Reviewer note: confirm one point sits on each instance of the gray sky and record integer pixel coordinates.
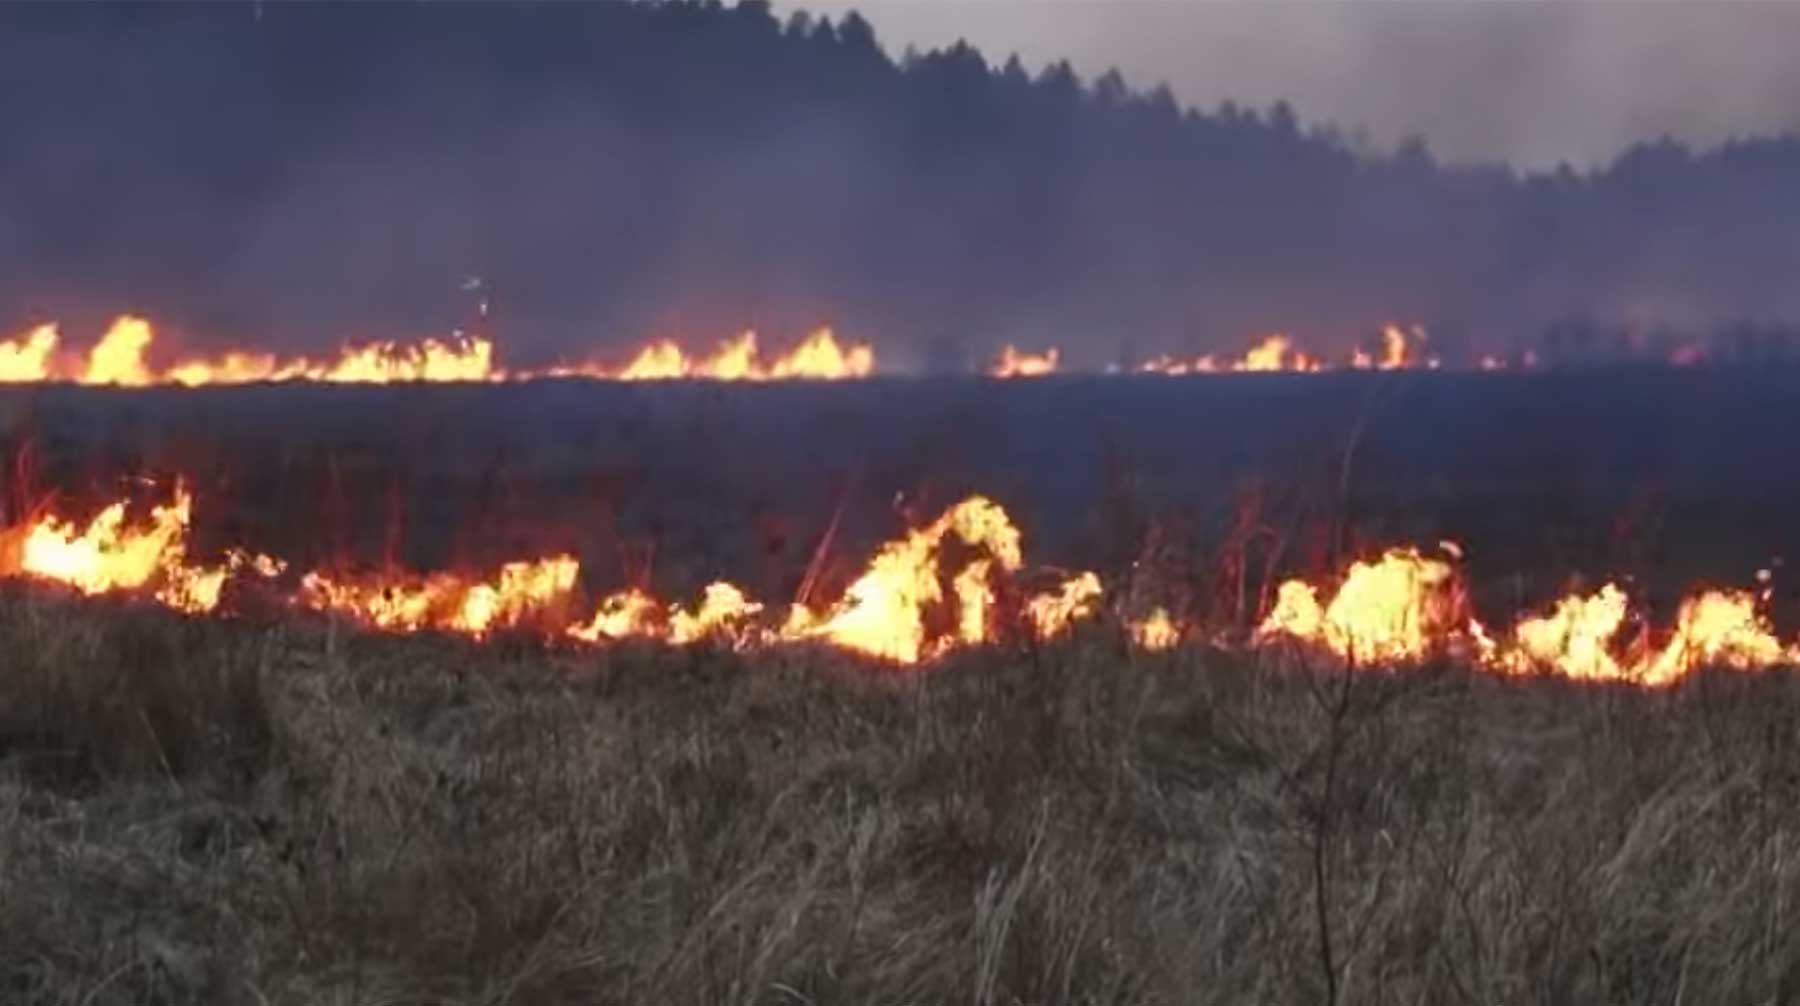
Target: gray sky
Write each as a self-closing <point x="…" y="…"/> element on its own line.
<point x="1529" y="81"/>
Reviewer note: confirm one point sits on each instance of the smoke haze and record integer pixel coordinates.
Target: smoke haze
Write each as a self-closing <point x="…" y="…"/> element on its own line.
<point x="290" y="176"/>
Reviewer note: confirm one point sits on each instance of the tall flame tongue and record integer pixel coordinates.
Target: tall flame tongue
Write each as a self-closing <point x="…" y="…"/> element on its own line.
<point x="1716" y="629"/>
<point x="1401" y="607"/>
<point x="28" y="357"/>
<point x="108" y="555"/>
<point x="118" y="358"/>
<point x="1573" y="639"/>
<point x="883" y="611"/>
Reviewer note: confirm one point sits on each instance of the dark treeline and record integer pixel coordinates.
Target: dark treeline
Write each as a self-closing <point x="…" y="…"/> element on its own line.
<point x="298" y="174"/>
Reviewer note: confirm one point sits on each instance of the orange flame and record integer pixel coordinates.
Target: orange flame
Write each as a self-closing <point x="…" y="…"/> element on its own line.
<point x="819" y="357"/>
<point x="121" y="357"/>
<point x="1156" y="631"/>
<point x="1715" y="629"/>
<point x="621" y="615"/>
<point x="1401" y="607"/>
<point x="722" y="611"/>
<point x="882" y="612"/>
<point x="1053" y="613"/>
<point x="908" y="605"/>
<point x="1276" y="352"/>
<point x="1271" y="354"/>
<point x="1573" y="639"/>
<point x="446" y="601"/>
<point x="1400" y="349"/>
<point x="27" y="357"/>
<point x="107" y="555"/>
<point x="1013" y="362"/>
<point x="1712" y="629"/>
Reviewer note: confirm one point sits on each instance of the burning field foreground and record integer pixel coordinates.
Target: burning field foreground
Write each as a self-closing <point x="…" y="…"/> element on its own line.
<point x="276" y="813"/>
<point x="941" y="757"/>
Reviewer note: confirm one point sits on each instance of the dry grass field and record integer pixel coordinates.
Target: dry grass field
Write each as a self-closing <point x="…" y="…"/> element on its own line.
<point x="235" y="812"/>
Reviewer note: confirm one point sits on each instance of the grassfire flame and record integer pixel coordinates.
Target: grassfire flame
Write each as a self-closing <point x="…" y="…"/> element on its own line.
<point x="106" y="555"/>
<point x="1400" y="349"/>
<point x="122" y="357"/>
<point x="446" y="601"/>
<point x="949" y="584"/>
<point x="1014" y="362"/>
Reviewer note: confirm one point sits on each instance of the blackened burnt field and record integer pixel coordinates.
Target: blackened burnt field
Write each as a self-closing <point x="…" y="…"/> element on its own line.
<point x="288" y="811"/>
<point x="1654" y="475"/>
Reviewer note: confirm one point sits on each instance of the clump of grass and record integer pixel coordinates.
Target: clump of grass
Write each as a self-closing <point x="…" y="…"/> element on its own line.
<point x="129" y="695"/>
<point x="337" y="819"/>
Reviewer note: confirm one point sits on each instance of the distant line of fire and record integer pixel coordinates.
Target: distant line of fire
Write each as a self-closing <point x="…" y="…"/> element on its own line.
<point x="123" y="357"/>
<point x="1401" y="349"/>
<point x="957" y="582"/>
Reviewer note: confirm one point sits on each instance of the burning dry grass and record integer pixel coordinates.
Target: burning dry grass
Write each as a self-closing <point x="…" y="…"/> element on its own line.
<point x="194" y="811"/>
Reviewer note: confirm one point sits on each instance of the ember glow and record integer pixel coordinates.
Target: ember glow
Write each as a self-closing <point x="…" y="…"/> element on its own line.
<point x="122" y="357"/>
<point x="953" y="583"/>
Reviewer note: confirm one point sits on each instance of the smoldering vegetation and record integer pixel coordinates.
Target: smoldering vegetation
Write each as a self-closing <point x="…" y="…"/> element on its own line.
<point x="283" y="813"/>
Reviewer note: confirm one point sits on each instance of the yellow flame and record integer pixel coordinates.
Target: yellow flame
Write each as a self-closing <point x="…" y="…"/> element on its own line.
<point x="1156" y="631"/>
<point x="121" y="357"/>
<point x="621" y="615"/>
<point x="27" y="357"/>
<point x="1577" y="639"/>
<point x="1715" y="629"/>
<point x="882" y="612"/>
<point x="1401" y="607"/>
<point x="819" y="357"/>
<point x="1014" y="362"/>
<point x="118" y="358"/>
<point x="445" y="601"/>
<point x="1051" y="614"/>
<point x="722" y="608"/>
<point x="108" y="555"/>
<point x="1574" y="638"/>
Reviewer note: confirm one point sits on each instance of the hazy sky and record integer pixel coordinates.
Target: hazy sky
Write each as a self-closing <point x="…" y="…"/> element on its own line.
<point x="1529" y="82"/>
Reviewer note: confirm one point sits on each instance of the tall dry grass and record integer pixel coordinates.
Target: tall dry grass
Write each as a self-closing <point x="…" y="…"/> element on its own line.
<point x="277" y="814"/>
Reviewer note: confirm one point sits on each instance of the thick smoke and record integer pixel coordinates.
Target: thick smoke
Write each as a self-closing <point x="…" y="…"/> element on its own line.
<point x="294" y="175"/>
